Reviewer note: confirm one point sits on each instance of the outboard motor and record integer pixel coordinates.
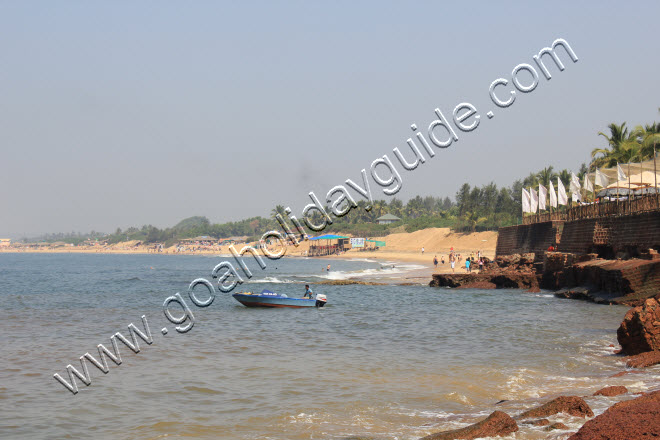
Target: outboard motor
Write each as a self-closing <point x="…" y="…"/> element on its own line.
<point x="320" y="300"/>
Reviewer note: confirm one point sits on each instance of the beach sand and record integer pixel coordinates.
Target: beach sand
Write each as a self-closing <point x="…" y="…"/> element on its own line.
<point x="404" y="247"/>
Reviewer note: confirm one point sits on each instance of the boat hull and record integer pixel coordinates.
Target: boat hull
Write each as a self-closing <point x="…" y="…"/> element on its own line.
<point x="270" y="301"/>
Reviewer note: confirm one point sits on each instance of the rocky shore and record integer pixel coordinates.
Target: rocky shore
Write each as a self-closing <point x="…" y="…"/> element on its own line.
<point x="633" y="282"/>
<point x="573" y="276"/>
<point x="636" y="418"/>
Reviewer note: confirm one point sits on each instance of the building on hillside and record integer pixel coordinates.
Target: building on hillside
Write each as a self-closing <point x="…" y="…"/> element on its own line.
<point x="5" y="242"/>
<point x="387" y="219"/>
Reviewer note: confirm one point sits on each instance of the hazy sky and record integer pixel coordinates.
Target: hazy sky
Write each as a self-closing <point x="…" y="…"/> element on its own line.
<point x="129" y="113"/>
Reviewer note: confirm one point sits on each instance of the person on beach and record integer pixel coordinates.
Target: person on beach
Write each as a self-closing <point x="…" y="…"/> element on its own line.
<point x="308" y="292"/>
<point x="435" y="261"/>
<point x="422" y="250"/>
<point x="467" y="265"/>
<point x="452" y="262"/>
<point x="481" y="265"/>
<point x="442" y="259"/>
<point x="328" y="268"/>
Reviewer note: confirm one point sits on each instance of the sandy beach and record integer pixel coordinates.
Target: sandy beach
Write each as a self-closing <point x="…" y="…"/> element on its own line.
<point x="401" y="247"/>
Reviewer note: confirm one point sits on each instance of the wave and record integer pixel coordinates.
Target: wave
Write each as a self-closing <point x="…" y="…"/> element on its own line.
<point x="394" y="269"/>
<point x="273" y="280"/>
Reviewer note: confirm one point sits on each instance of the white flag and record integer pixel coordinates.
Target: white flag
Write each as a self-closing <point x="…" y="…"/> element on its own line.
<point x="553" y="196"/>
<point x="587" y="184"/>
<point x="601" y="179"/>
<point x="534" y="204"/>
<point x="543" y="195"/>
<point x="575" y="184"/>
<point x="575" y="197"/>
<point x="562" y="198"/>
<point x="620" y="175"/>
<point x="525" y="201"/>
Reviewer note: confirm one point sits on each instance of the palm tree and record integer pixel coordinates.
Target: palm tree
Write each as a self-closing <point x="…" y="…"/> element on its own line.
<point x="565" y="177"/>
<point x="619" y="135"/>
<point x="546" y="175"/>
<point x="279" y="209"/>
<point x="531" y="181"/>
<point x="649" y="137"/>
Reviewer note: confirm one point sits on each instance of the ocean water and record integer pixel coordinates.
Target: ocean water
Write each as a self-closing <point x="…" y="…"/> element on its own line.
<point x="381" y="362"/>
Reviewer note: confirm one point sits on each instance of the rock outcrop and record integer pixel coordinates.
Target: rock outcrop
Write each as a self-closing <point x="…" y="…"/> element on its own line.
<point x="631" y="419"/>
<point x="496" y="425"/>
<point x="609" y="281"/>
<point x="497" y="278"/>
<point x="611" y="391"/>
<point x="640" y="330"/>
<point x="644" y="360"/>
<point x="571" y="405"/>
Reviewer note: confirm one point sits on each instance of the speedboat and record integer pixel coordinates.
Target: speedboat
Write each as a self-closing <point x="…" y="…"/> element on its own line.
<point x="268" y="298"/>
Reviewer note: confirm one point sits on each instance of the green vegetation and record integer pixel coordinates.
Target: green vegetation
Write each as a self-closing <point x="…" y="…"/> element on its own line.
<point x="625" y="146"/>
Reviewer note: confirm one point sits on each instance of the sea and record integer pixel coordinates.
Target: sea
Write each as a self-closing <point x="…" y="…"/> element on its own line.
<point x="394" y="361"/>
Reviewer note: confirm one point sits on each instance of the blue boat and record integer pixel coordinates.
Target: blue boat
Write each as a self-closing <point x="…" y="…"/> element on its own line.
<point x="271" y="299"/>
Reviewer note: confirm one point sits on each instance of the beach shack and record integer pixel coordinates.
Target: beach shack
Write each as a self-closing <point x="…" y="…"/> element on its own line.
<point x="328" y="244"/>
<point x="387" y="219"/>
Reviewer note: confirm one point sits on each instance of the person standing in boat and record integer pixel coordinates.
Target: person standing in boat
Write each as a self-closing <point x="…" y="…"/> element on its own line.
<point x="308" y="292"/>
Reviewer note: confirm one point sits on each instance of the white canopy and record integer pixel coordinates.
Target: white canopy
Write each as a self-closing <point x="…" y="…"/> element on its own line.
<point x="645" y="169"/>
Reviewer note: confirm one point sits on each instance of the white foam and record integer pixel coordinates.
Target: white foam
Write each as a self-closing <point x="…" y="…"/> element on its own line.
<point x="273" y="280"/>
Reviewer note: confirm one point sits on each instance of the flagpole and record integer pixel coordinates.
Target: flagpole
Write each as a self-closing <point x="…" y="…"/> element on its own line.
<point x="629" y="186"/>
<point x="655" y="177"/>
<point x="641" y="169"/>
<point x="617" y="187"/>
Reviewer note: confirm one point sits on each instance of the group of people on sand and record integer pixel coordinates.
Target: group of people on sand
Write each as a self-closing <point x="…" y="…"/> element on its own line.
<point x="470" y="261"/>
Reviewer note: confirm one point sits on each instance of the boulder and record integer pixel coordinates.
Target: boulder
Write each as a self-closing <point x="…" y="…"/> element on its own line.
<point x="611" y="391"/>
<point x="495" y="425"/>
<point x="631" y="419"/>
<point x="644" y="360"/>
<point x="558" y="425"/>
<point x="571" y="405"/>
<point x="640" y="330"/>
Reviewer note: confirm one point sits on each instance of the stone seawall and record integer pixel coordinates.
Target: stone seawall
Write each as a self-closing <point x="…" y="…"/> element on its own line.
<point x="627" y="235"/>
<point x="534" y="238"/>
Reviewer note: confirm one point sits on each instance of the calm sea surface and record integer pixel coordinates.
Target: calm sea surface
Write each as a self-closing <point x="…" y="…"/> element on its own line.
<point x="382" y="362"/>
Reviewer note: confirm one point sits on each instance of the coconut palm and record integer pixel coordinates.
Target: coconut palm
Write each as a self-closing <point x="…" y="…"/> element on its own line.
<point x="531" y="181"/>
<point x="648" y="137"/>
<point x="565" y="177"/>
<point x="609" y="157"/>
<point x="546" y="175"/>
<point x="279" y="209"/>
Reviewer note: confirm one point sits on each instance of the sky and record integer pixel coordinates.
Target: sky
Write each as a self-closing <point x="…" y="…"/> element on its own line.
<point x="118" y="114"/>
